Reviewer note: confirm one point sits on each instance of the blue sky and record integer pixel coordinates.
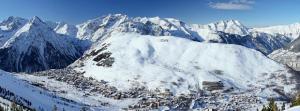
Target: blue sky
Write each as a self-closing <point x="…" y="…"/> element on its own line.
<point x="250" y="12"/>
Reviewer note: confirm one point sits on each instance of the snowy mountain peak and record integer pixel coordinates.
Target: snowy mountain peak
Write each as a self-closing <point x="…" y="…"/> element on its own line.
<point x="34" y="26"/>
<point x="116" y="16"/>
<point x="36" y="20"/>
<point x="106" y="19"/>
<point x="95" y="29"/>
<point x="229" y="23"/>
<point x="113" y="18"/>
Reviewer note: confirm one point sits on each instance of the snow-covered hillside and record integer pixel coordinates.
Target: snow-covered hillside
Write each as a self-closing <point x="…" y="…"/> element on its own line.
<point x="34" y="96"/>
<point x="98" y="28"/>
<point x="124" y="59"/>
<point x="288" y="55"/>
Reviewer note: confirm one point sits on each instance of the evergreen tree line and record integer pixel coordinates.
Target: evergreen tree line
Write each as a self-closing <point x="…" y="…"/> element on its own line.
<point x="15" y="107"/>
<point x="272" y="106"/>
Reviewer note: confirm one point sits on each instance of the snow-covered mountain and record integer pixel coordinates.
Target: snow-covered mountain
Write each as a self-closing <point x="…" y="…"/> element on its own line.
<point x="292" y="31"/>
<point x="262" y="42"/>
<point x="12" y="24"/>
<point x="227" y="26"/>
<point x="210" y="31"/>
<point x="100" y="28"/>
<point x="97" y="28"/>
<point x="233" y="32"/>
<point x="9" y="26"/>
<point x="181" y="66"/>
<point x="288" y="55"/>
<point x="145" y="56"/>
<point x="35" y="47"/>
<point x="66" y="29"/>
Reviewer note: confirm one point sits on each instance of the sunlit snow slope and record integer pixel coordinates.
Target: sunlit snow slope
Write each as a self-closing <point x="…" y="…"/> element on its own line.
<point x="159" y="62"/>
<point x="15" y="89"/>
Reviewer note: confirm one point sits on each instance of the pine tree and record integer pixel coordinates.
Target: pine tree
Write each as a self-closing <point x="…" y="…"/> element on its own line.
<point x="1" y="108"/>
<point x="20" y="108"/>
<point x="272" y="106"/>
<point x="283" y="107"/>
<point x="264" y="108"/>
<point x="83" y="109"/>
<point x="14" y="107"/>
<point x="296" y="101"/>
<point x="55" y="108"/>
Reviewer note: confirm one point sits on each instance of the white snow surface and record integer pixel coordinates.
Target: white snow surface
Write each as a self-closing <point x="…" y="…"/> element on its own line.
<point x="156" y="62"/>
<point x="296" y="108"/>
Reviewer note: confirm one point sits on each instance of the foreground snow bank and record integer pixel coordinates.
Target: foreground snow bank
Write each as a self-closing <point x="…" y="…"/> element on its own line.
<point x="296" y="108"/>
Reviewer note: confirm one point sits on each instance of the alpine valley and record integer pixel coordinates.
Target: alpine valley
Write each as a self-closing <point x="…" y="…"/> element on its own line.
<point x="116" y="62"/>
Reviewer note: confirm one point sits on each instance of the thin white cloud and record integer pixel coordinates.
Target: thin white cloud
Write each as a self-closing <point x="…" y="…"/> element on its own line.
<point x="233" y="5"/>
